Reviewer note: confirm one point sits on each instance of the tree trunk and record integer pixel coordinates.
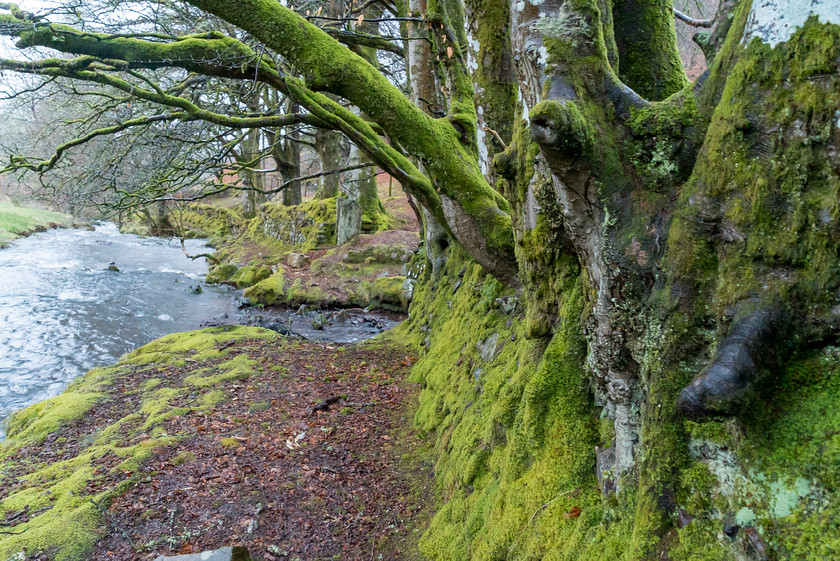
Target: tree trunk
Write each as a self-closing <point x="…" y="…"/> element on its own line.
<point x="328" y="146"/>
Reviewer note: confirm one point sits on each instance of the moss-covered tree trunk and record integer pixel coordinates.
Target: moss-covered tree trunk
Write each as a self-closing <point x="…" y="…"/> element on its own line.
<point x="328" y="147"/>
<point x="702" y="216"/>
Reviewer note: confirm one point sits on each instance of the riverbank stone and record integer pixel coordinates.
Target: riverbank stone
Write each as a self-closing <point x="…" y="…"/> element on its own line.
<point x="223" y="554"/>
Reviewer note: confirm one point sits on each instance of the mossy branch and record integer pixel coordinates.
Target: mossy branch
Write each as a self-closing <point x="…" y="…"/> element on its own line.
<point x="366" y="40"/>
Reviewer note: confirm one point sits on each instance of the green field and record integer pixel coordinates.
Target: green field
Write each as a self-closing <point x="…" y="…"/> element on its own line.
<point x="16" y="221"/>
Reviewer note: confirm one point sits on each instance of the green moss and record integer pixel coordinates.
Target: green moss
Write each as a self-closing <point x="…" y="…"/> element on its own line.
<point x="239" y="367"/>
<point x="515" y="438"/>
<point x="196" y="345"/>
<point x="249" y="276"/>
<point x="313" y="296"/>
<point x="212" y="399"/>
<point x="765" y="159"/>
<point x="183" y="457"/>
<point x="214" y="222"/>
<point x="229" y="443"/>
<point x="495" y="91"/>
<point x="268" y="292"/>
<point x="699" y="542"/>
<point x="35" y="422"/>
<point x="648" y="59"/>
<point x="304" y="226"/>
<point x="220" y="273"/>
<point x="258" y="406"/>
<point x="387" y="293"/>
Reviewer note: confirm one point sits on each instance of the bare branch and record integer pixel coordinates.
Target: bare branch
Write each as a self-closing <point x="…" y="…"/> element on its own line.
<point x="691" y="21"/>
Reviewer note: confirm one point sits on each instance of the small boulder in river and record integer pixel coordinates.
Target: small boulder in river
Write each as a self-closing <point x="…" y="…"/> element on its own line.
<point x="113" y="267"/>
<point x="319" y="322"/>
<point x="223" y="554"/>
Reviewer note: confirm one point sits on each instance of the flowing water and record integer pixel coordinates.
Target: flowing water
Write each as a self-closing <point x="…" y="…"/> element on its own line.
<point x="62" y="312"/>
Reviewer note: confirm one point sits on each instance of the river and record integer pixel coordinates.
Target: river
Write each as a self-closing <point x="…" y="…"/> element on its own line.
<point x="62" y="312"/>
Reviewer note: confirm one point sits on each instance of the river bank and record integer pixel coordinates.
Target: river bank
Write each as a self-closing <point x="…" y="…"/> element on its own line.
<point x="19" y="221"/>
<point x="232" y="435"/>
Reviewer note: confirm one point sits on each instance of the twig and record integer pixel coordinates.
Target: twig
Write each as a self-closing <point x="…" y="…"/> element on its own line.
<point x="536" y="512"/>
<point x="691" y="21"/>
<point x="326" y="404"/>
<point x="494" y="133"/>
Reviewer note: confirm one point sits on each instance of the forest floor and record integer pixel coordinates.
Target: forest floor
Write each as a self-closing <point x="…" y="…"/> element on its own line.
<point x="311" y="457"/>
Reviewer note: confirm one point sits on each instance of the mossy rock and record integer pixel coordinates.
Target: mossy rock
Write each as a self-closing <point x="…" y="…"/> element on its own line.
<point x="387" y="293"/>
<point x="381" y="254"/>
<point x="221" y="273"/>
<point x="304" y="226"/>
<point x="275" y="291"/>
<point x="250" y="275"/>
<point x="269" y="291"/>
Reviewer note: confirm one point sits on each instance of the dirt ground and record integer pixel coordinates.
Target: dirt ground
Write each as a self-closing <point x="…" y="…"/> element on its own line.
<point x="311" y="458"/>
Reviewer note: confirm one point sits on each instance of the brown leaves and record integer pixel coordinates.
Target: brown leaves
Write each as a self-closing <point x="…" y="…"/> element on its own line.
<point x="331" y="494"/>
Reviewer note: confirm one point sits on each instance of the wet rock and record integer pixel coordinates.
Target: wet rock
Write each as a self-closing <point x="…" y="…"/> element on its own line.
<point x="195" y="289"/>
<point x="302" y="310"/>
<point x="319" y="322"/>
<point x="223" y="554"/>
<point x="297" y="260"/>
<point x="342" y="315"/>
<point x="113" y="267"/>
<point x="244" y="302"/>
<point x="281" y="327"/>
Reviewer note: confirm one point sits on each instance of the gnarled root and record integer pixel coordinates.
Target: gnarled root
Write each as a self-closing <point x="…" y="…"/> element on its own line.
<point x="722" y="387"/>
